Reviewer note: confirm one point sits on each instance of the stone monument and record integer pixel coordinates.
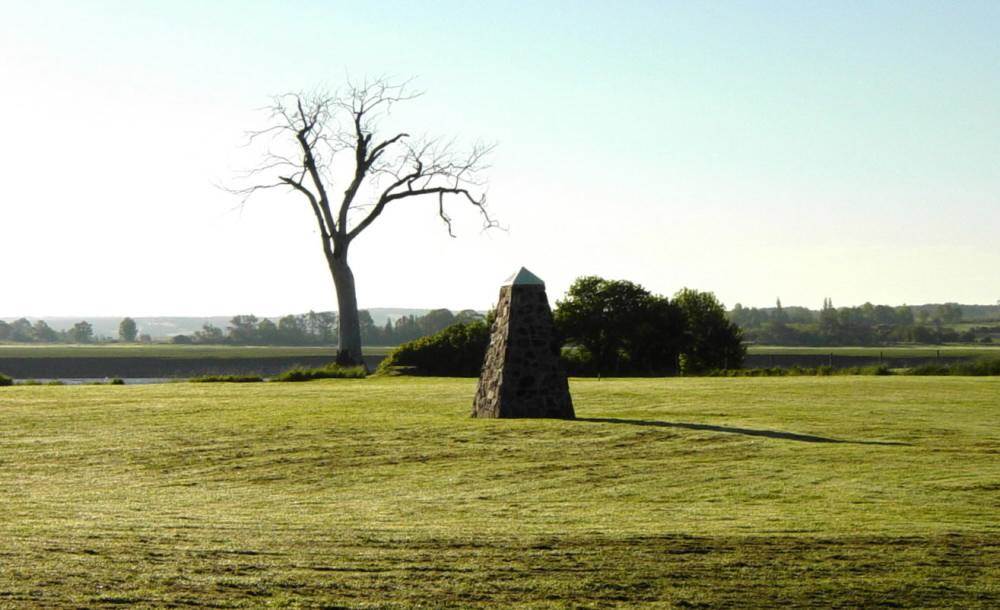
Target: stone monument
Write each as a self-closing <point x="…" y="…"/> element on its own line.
<point x="521" y="375"/>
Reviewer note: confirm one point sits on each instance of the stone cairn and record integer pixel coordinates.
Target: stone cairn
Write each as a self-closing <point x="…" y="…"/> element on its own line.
<point x="522" y="376"/>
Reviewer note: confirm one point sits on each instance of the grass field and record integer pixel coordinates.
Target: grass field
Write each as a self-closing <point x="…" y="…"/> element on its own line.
<point x="821" y="492"/>
<point x="163" y="350"/>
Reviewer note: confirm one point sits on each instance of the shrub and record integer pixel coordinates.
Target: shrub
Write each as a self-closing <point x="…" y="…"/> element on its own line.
<point x="457" y="351"/>
<point x="983" y="366"/>
<point x="881" y="370"/>
<point x="332" y="371"/>
<point x="5" y="380"/>
<point x="579" y="362"/>
<point x="711" y="340"/>
<point x="117" y="381"/>
<point x="227" y="379"/>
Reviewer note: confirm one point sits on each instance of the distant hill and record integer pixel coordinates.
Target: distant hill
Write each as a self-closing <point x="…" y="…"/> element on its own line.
<point x="162" y="327"/>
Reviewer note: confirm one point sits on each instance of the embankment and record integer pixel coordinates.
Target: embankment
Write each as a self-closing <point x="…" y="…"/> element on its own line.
<point x="141" y="366"/>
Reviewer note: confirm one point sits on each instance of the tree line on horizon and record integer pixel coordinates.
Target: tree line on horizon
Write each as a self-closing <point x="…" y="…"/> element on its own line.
<point x="322" y="329"/>
<point x="309" y="329"/>
<point x="24" y="331"/>
<point x="864" y="325"/>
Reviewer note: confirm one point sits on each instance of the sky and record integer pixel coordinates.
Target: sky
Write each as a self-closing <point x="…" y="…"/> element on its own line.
<point x="757" y="150"/>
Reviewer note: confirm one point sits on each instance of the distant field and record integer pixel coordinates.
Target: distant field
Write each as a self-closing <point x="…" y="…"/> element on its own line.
<point x="925" y="351"/>
<point x="162" y="361"/>
<point x="963" y="326"/>
<point x="166" y="351"/>
<point x="792" y="492"/>
<point x="228" y="351"/>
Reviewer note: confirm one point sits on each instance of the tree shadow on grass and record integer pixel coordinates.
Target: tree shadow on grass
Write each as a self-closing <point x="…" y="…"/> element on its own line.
<point x="788" y="436"/>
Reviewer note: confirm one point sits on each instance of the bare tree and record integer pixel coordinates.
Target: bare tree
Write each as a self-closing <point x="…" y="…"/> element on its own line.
<point x="320" y="143"/>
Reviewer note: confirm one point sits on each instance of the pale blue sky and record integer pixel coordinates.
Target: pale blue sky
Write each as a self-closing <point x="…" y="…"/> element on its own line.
<point x="755" y="149"/>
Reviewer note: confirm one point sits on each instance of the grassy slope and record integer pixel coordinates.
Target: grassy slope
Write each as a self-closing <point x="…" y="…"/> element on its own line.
<point x="161" y="350"/>
<point x="382" y="491"/>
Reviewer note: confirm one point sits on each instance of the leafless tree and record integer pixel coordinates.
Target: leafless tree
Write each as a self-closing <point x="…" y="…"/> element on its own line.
<point x="321" y="143"/>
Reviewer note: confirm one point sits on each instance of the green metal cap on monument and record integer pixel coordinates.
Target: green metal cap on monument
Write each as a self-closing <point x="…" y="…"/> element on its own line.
<point x="523" y="278"/>
<point x="522" y="375"/>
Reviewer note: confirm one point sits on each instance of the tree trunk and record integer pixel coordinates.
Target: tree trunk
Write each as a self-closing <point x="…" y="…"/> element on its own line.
<point x="349" y="353"/>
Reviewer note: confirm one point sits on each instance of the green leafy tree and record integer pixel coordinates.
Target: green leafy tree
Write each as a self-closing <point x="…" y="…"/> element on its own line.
<point x="291" y="330"/>
<point x="622" y="326"/>
<point x="435" y="321"/>
<point x="780" y="317"/>
<point x="127" y="330"/>
<point x="904" y="316"/>
<point x="82" y="332"/>
<point x="468" y="315"/>
<point x="656" y="340"/>
<point x="43" y="333"/>
<point x="21" y="330"/>
<point x="711" y="340"/>
<point x="243" y="329"/>
<point x="949" y="313"/>
<point x="267" y="332"/>
<point x="321" y="327"/>
<point x="209" y="334"/>
<point x="369" y="331"/>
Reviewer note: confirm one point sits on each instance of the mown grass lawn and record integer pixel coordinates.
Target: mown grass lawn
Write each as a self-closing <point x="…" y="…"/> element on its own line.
<point x="839" y="491"/>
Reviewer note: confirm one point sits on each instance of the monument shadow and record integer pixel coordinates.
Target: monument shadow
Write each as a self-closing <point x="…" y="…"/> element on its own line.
<point x="776" y="434"/>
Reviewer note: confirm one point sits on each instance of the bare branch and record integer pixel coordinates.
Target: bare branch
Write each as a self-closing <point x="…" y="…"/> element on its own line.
<point x="443" y="215"/>
<point x="245" y="193"/>
<point x="324" y="229"/>
<point x="308" y="133"/>
<point x="318" y="143"/>
<point x="378" y="150"/>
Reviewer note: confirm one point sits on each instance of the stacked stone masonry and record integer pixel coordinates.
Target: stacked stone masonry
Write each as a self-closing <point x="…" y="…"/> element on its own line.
<point x="522" y="375"/>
